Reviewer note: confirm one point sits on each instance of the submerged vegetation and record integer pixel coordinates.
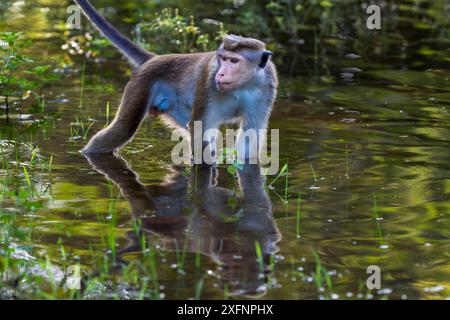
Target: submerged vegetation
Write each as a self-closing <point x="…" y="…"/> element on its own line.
<point x="363" y="176"/>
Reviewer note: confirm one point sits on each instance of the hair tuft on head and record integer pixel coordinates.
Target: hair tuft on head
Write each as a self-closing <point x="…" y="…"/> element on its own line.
<point x="233" y="42"/>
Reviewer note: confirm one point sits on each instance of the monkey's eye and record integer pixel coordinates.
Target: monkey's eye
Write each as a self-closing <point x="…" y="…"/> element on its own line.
<point x="234" y="60"/>
<point x="224" y="59"/>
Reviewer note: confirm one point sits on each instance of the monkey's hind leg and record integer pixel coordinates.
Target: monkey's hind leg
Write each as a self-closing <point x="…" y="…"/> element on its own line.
<point x="132" y="111"/>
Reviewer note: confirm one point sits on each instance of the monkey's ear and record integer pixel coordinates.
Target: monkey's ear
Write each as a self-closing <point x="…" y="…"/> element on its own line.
<point x="265" y="58"/>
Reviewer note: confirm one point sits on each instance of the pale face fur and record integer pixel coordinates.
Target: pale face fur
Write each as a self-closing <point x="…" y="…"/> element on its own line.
<point x="236" y="69"/>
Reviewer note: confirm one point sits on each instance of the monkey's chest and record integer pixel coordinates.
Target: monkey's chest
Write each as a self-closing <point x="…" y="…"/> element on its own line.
<point x="233" y="107"/>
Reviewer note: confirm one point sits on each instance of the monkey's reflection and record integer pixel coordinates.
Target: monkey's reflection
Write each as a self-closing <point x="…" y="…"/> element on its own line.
<point x="223" y="224"/>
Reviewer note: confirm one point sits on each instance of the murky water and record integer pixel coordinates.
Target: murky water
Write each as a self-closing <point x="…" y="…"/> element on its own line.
<point x="368" y="183"/>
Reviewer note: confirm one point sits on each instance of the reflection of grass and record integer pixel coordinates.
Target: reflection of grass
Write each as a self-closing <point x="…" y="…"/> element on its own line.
<point x="312" y="170"/>
<point x="377" y="218"/>
<point x="226" y="291"/>
<point x="151" y="262"/>
<point x="107" y="114"/>
<point x="347" y="164"/>
<point x="112" y="237"/>
<point x="198" y="255"/>
<point x="298" y="216"/>
<point x="259" y="257"/>
<point x="181" y="254"/>
<point x="199" y="288"/>
<point x="321" y="275"/>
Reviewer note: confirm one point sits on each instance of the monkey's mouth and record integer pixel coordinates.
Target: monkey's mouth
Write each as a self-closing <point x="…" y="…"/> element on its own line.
<point x="223" y="86"/>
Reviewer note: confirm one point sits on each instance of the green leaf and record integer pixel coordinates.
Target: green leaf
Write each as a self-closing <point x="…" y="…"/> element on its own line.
<point x="40" y="70"/>
<point x="231" y="170"/>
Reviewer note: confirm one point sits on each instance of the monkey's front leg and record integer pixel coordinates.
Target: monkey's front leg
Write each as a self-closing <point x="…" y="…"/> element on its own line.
<point x="204" y="142"/>
<point x="131" y="112"/>
<point x="250" y="139"/>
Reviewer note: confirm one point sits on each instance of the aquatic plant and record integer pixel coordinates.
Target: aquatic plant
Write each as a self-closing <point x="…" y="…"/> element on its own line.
<point x="79" y="129"/>
<point x="20" y="79"/>
<point x="13" y="87"/>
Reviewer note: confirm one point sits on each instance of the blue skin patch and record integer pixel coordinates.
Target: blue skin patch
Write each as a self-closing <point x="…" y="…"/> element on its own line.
<point x="162" y="97"/>
<point x="162" y="103"/>
<point x="165" y="100"/>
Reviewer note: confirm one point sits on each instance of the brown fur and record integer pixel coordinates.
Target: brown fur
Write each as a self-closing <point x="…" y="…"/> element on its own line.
<point x="163" y="83"/>
<point x="132" y="109"/>
<point x="234" y="43"/>
<point x="201" y="94"/>
<point x="176" y="69"/>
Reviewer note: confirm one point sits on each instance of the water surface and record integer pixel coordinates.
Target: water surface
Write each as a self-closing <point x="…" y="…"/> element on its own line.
<point x="368" y="183"/>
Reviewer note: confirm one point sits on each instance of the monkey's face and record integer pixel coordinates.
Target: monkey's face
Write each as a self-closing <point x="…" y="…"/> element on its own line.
<point x="236" y="69"/>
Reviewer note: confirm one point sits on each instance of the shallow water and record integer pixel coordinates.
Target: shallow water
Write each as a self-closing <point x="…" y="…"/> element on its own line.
<point x="368" y="184"/>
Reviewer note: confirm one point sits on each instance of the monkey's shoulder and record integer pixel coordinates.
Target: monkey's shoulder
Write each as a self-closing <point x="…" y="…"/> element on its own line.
<point x="172" y="65"/>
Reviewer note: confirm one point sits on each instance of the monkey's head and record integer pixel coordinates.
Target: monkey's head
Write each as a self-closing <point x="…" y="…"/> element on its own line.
<point x="239" y="60"/>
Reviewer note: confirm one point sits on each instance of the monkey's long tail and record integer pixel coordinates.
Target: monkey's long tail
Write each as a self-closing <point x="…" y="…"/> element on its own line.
<point x="135" y="54"/>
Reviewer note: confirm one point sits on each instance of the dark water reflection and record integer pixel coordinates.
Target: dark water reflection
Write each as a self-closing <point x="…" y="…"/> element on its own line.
<point x="368" y="183"/>
<point x="190" y="214"/>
